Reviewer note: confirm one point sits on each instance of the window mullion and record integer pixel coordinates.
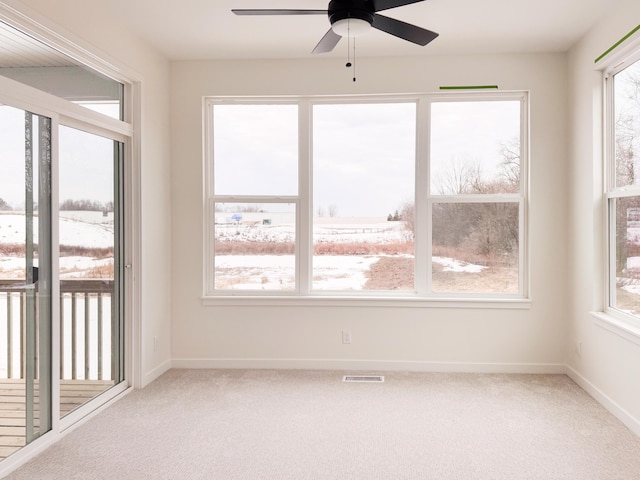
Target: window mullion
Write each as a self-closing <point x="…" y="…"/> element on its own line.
<point x="304" y="227"/>
<point x="423" y="207"/>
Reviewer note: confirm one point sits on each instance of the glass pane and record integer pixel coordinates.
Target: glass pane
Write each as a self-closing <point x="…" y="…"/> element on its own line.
<point x="255" y="149"/>
<point x="475" y="147"/>
<point x="627" y="255"/>
<point x="627" y="125"/>
<point x="255" y="246"/>
<point x="28" y="61"/>
<point x="363" y="196"/>
<point x="475" y="247"/>
<point x="25" y="277"/>
<point x="88" y="227"/>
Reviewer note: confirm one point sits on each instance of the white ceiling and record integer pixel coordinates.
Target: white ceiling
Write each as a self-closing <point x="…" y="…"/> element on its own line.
<point x="206" y="29"/>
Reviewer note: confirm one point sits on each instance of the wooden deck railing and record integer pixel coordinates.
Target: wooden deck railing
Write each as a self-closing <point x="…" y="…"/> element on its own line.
<point x="85" y="329"/>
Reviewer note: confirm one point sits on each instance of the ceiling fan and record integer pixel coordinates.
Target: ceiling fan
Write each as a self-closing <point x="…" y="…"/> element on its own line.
<point x="352" y="18"/>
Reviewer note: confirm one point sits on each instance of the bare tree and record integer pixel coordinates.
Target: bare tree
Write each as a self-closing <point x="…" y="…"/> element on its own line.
<point x="490" y="230"/>
<point x="458" y="178"/>
<point x="4" y="205"/>
<point x="510" y="165"/>
<point x="333" y="210"/>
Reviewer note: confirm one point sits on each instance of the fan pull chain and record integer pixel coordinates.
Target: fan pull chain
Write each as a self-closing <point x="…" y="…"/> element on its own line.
<point x="354" y="59"/>
<point x="348" y="44"/>
<point x="348" y="64"/>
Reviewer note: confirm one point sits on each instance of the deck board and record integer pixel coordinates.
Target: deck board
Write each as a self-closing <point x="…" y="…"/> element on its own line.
<point x="73" y="393"/>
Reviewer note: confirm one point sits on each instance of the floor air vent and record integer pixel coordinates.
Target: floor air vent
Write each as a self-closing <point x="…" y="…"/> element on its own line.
<point x="363" y="379"/>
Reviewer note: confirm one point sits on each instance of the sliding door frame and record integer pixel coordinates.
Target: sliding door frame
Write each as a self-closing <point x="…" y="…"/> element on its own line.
<point x="64" y="112"/>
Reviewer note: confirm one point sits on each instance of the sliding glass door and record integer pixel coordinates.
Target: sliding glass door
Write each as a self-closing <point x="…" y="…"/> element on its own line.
<point x="71" y="252"/>
<point x="25" y="277"/>
<point x="89" y="225"/>
<point x="63" y="166"/>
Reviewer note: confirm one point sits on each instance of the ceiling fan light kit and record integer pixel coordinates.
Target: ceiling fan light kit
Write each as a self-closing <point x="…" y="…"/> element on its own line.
<point x="351" y="18"/>
<point x="351" y="27"/>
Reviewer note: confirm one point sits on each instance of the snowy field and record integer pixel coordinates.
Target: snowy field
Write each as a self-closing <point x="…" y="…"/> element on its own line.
<point x="73" y="231"/>
<point x="330" y="272"/>
<point x="85" y="229"/>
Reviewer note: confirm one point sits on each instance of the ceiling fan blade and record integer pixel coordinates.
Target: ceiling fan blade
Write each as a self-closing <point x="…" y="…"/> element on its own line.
<point x="327" y="43"/>
<point x="403" y="30"/>
<point x="379" y="5"/>
<point x="276" y="11"/>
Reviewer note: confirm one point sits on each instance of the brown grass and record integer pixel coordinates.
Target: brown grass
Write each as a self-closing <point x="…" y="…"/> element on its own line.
<point x="100" y="271"/>
<point x="93" y="252"/>
<point x="18" y="250"/>
<point x="287" y="248"/>
<point x="363" y="248"/>
<point x="255" y="248"/>
<point x="468" y="256"/>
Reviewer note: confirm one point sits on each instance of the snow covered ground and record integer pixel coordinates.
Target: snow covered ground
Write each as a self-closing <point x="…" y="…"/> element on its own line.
<point x="330" y="272"/>
<point x="89" y="232"/>
<point x="73" y="232"/>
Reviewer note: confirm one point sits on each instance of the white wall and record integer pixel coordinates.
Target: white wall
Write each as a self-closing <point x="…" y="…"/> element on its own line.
<point x="609" y="365"/>
<point x="531" y="339"/>
<point x="93" y="27"/>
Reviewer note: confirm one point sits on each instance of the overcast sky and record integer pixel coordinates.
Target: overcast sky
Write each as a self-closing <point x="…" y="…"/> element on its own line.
<point x="86" y="162"/>
<point x="363" y="154"/>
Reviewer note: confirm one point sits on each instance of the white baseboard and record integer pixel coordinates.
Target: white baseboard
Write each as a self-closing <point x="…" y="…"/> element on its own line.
<point x="366" y="365"/>
<point x="625" y="417"/>
<point x="156" y="372"/>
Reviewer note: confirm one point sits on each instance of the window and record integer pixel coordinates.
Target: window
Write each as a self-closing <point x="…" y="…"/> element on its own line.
<point x="623" y="189"/>
<point x="363" y="192"/>
<point x="396" y="197"/>
<point x="476" y="200"/>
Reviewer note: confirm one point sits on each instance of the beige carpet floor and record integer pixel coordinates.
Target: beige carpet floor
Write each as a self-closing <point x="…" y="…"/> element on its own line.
<point x="265" y="424"/>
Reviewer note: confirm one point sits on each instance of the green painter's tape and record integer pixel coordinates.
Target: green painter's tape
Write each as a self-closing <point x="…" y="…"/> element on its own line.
<point x="468" y="87"/>
<point x="615" y="45"/>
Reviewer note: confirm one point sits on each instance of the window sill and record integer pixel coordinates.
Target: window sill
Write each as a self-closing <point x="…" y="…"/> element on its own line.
<point x="620" y="327"/>
<point x="328" y="301"/>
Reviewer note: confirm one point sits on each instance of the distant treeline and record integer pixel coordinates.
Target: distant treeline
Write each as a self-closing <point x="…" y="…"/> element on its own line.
<point x="74" y="205"/>
<point x="86" y="205"/>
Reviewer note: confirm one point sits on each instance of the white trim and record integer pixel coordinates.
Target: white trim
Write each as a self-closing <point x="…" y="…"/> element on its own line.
<point x="367" y="365"/>
<point x="133" y="244"/>
<point x="607" y="402"/>
<point x="622" y="328"/>
<point x="44" y="30"/>
<point x="622" y="56"/>
<point x="78" y="415"/>
<point x="156" y="372"/>
<point x="365" y="301"/>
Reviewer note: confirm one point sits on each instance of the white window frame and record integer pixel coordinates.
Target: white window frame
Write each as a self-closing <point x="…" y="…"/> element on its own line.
<point x="623" y="323"/>
<point x="422" y="296"/>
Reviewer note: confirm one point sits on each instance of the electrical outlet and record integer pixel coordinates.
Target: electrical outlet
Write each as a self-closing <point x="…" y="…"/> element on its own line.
<point x="346" y="337"/>
<point x="155" y="344"/>
<point x="579" y="348"/>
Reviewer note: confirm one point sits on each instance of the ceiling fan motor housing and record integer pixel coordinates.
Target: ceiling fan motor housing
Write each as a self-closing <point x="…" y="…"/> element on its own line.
<point x="350" y="9"/>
